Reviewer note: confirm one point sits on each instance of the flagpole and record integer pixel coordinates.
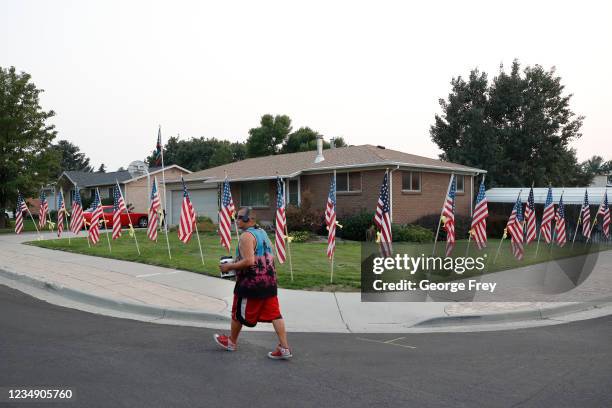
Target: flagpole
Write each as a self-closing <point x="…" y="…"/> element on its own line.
<point x="595" y="218"/>
<point x="554" y="234"/>
<point x="61" y="192"/>
<point x="104" y="222"/>
<point x="233" y="216"/>
<point x="129" y="218"/>
<point x="198" y="235"/>
<point x="331" y="278"/>
<point x="441" y="212"/>
<point x="538" y="245"/>
<point x="84" y="221"/>
<point x="505" y="230"/>
<point x="66" y="216"/>
<point x="165" y="196"/>
<point x="287" y="233"/>
<point x="577" y="225"/>
<point x="31" y="217"/>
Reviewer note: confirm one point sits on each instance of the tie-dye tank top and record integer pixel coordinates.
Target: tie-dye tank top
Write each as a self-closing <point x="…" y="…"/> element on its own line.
<point x="259" y="280"/>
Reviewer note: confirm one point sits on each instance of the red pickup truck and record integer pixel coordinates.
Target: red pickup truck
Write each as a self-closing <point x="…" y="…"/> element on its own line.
<point x="140" y="220"/>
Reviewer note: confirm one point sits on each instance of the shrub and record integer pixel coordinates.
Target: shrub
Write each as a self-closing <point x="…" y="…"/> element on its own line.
<point x="205" y="224"/>
<point x="304" y="217"/>
<point x="300" y="236"/>
<point x="411" y="233"/>
<point x="430" y="222"/>
<point x="355" y="227"/>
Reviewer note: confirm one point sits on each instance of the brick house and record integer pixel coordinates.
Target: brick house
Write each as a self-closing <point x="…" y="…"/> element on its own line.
<point x="418" y="184"/>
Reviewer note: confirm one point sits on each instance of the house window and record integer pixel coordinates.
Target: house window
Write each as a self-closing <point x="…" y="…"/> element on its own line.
<point x="294" y="192"/>
<point x="348" y="182"/>
<point x="92" y="193"/>
<point x="255" y="194"/>
<point x="411" y="181"/>
<point x="460" y="184"/>
<point x="609" y="181"/>
<point x="111" y="192"/>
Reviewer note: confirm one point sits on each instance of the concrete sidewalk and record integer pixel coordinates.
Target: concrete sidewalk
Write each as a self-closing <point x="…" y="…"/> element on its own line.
<point x="151" y="293"/>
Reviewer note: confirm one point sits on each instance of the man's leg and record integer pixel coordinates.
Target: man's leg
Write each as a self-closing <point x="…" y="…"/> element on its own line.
<point x="279" y="327"/>
<point x="235" y="330"/>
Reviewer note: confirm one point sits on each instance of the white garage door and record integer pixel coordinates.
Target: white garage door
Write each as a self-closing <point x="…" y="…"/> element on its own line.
<point x="204" y="202"/>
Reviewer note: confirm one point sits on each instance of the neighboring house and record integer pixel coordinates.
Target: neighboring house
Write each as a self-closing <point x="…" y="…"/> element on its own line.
<point x="134" y="183"/>
<point x="418" y="184"/>
<point x="34" y="202"/>
<point x="602" y="180"/>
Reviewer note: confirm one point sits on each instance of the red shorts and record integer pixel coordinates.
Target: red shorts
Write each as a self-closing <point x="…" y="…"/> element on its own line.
<point x="250" y="311"/>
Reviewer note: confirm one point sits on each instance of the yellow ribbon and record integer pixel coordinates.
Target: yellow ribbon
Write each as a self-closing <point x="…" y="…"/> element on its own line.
<point x="378" y="237"/>
<point x="131" y="231"/>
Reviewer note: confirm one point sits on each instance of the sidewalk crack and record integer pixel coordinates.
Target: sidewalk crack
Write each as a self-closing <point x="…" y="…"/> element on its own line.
<point x="340" y="313"/>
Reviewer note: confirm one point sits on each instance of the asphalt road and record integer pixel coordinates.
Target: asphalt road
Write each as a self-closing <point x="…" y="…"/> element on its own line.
<point x="111" y="362"/>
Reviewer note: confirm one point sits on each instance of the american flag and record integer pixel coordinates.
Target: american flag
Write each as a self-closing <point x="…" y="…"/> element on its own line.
<point x="479" y="219"/>
<point x="561" y="236"/>
<point x="118" y="208"/>
<point x="158" y="149"/>
<point x="281" y="221"/>
<point x="547" y="218"/>
<point x="225" y="216"/>
<point x="188" y="218"/>
<point x="96" y="216"/>
<point x="330" y="219"/>
<point x="76" y="222"/>
<point x="448" y="216"/>
<point x="515" y="229"/>
<point x="530" y="218"/>
<point x="61" y="212"/>
<point x="44" y="209"/>
<point x="586" y="216"/>
<point x="154" y="212"/>
<point x="604" y="210"/>
<point x="21" y="207"/>
<point x="382" y="218"/>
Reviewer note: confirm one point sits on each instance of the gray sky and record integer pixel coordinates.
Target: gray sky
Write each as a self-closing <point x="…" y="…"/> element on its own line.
<point x="371" y="72"/>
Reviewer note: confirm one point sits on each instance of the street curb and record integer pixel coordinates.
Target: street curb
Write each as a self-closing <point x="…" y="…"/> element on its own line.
<point x="149" y="311"/>
<point x="516" y="316"/>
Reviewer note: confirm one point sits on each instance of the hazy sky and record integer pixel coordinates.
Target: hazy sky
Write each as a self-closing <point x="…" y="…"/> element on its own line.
<point x="371" y="72"/>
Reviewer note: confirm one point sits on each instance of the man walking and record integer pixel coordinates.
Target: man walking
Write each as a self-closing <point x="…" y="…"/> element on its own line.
<point x="255" y="293"/>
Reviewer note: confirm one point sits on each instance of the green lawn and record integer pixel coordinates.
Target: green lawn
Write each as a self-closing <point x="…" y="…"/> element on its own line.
<point x="28" y="225"/>
<point x="311" y="269"/>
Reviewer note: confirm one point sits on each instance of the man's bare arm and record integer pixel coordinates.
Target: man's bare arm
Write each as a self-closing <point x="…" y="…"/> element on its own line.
<point x="247" y="252"/>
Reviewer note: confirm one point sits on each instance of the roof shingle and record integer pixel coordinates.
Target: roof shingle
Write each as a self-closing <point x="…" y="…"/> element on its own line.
<point x="291" y="164"/>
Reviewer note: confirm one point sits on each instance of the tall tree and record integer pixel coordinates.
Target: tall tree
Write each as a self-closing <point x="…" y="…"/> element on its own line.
<point x="266" y="139"/>
<point x="518" y="127"/>
<point x="238" y="151"/>
<point x="200" y="153"/>
<point x="71" y="157"/>
<point x="302" y="140"/>
<point x="101" y="169"/>
<point x="305" y="139"/>
<point x="26" y="159"/>
<point x="221" y="155"/>
<point x="595" y="166"/>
